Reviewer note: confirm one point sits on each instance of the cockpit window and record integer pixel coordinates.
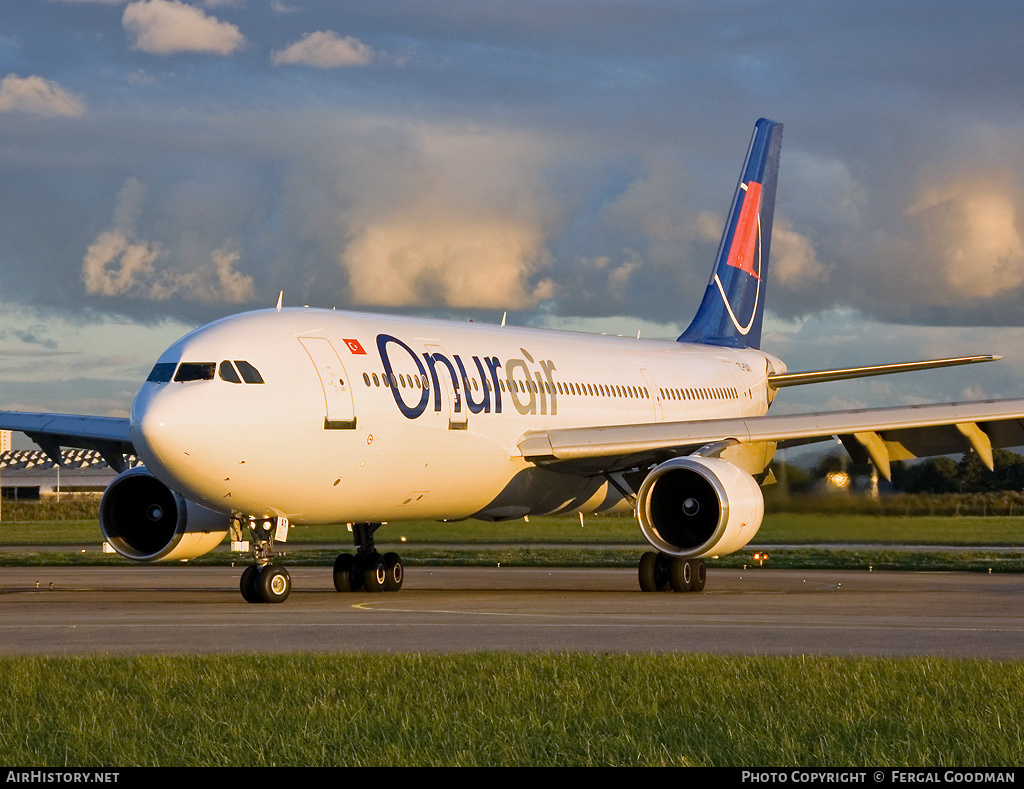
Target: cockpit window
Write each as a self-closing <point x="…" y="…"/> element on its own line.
<point x="227" y="373"/>
<point x="195" y="371"/>
<point x="162" y="372"/>
<point x="249" y="373"/>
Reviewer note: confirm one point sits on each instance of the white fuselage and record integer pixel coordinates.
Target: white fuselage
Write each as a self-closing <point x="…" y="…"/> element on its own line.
<point x="367" y="418"/>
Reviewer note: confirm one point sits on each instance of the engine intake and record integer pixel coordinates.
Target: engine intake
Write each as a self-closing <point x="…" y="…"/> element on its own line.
<point x="694" y="507"/>
<point x="144" y="520"/>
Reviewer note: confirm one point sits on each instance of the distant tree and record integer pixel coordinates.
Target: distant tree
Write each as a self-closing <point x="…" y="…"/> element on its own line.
<point x="934" y="475"/>
<point x="829" y="464"/>
<point x="794" y="478"/>
<point x="972" y="473"/>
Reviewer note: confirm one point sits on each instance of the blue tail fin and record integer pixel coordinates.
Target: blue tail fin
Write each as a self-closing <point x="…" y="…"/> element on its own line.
<point x="733" y="304"/>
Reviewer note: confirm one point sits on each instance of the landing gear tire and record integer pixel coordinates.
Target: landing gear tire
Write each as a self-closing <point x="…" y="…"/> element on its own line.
<point x="346" y="577"/>
<point x="700" y="575"/>
<point x="394" y="572"/>
<point x="681" y="575"/>
<point x="247" y="584"/>
<point x="654" y="572"/>
<point x="273" y="584"/>
<point x="659" y="572"/>
<point x="375" y="574"/>
<point x="646" y="572"/>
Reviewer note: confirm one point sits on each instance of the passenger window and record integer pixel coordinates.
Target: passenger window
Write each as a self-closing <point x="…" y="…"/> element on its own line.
<point x="249" y="373"/>
<point x="162" y="372"/>
<point x="227" y="373"/>
<point x="195" y="371"/>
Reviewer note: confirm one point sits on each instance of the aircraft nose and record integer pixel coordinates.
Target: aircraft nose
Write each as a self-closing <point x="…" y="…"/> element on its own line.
<point x="167" y="427"/>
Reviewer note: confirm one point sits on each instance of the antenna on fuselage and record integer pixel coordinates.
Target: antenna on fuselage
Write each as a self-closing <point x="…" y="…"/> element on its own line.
<point x="503" y="316"/>
<point x="280" y="300"/>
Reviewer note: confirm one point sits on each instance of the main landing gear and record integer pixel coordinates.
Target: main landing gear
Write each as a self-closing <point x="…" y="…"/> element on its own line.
<point x="660" y="572"/>
<point x="266" y="582"/>
<point x="367" y="569"/>
<point x="263" y="581"/>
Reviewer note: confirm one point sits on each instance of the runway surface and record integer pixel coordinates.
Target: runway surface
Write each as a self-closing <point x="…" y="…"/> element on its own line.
<point x="145" y="610"/>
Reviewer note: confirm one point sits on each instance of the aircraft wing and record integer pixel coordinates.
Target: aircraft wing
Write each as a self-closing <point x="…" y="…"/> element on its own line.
<point x="107" y="434"/>
<point x="879" y="434"/>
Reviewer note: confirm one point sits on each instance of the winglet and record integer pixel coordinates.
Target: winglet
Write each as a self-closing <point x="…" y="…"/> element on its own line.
<point x="733" y="305"/>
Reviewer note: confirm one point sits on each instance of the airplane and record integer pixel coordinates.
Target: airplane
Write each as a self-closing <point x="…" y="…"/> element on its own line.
<point x="284" y="416"/>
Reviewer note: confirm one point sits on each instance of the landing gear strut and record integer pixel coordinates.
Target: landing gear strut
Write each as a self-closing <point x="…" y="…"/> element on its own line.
<point x="263" y="581"/>
<point x="367" y="569"/>
<point x="660" y="572"/>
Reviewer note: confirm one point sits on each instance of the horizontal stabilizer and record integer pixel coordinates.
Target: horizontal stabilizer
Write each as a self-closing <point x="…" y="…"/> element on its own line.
<point x="820" y="376"/>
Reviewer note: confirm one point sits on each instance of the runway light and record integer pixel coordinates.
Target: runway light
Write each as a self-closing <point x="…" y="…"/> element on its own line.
<point x="761" y="557"/>
<point x="839" y="479"/>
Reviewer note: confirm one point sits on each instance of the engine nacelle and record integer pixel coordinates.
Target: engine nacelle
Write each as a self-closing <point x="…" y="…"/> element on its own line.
<point x="144" y="520"/>
<point x="694" y="507"/>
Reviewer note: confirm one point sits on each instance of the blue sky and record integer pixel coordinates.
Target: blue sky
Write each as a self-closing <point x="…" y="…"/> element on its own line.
<point x="165" y="163"/>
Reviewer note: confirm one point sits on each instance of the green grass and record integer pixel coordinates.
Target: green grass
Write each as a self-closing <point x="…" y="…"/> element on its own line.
<point x="498" y="709"/>
<point x="781" y="527"/>
<point x="58" y="532"/>
<point x="604" y="541"/>
<point x="784" y="527"/>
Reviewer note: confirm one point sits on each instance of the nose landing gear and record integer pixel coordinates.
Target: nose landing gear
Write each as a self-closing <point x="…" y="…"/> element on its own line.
<point x="267" y="584"/>
<point x="263" y="581"/>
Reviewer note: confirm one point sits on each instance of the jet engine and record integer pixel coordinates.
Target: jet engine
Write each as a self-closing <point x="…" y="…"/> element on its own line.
<point x="693" y="507"/>
<point x="144" y="520"/>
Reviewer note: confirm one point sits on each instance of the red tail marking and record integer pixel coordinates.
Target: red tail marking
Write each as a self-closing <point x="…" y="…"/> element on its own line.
<point x="744" y="240"/>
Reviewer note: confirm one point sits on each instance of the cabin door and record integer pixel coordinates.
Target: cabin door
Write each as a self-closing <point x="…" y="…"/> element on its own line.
<point x="339" y="410"/>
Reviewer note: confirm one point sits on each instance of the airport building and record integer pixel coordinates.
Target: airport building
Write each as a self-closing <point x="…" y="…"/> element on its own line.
<point x="32" y="474"/>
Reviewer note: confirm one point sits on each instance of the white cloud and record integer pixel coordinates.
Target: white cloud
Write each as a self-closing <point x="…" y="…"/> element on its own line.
<point x="119" y="263"/>
<point x="468" y="229"/>
<point x="114" y="264"/>
<point x="325" y="49"/>
<point x="234" y="287"/>
<point x="612" y="279"/>
<point x="164" y="27"/>
<point x="38" y="96"/>
<point x="973" y="230"/>
<point x="446" y="260"/>
<point x="794" y="263"/>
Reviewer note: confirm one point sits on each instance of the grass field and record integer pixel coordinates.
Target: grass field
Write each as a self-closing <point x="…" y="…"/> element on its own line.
<point x="488" y="709"/>
<point x="603" y="541"/>
<point x="508" y="709"/>
<point x="777" y="528"/>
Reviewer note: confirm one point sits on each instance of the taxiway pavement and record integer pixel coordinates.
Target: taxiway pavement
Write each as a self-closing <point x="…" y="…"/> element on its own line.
<point x="146" y="610"/>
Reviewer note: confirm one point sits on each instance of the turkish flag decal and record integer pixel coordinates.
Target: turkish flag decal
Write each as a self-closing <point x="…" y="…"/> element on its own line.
<point x="355" y="347"/>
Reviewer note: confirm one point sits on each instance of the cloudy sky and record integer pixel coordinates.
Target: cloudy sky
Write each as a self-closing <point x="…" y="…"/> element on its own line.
<point x="163" y="163"/>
